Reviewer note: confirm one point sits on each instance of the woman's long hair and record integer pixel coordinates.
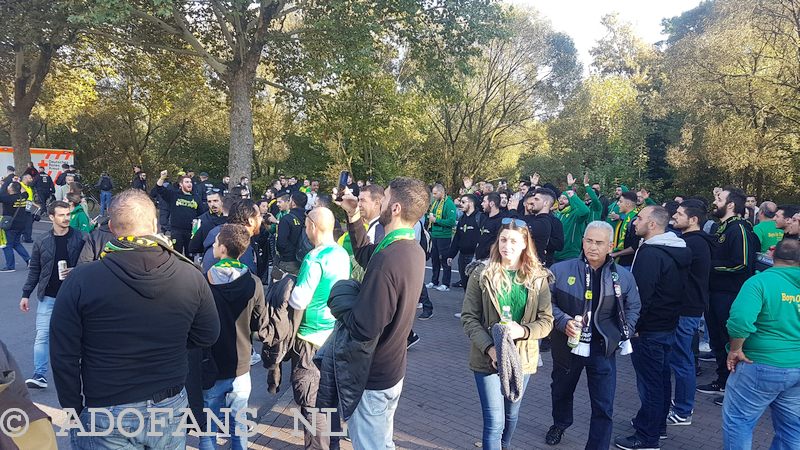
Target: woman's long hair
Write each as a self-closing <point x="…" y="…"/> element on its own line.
<point x="530" y="268"/>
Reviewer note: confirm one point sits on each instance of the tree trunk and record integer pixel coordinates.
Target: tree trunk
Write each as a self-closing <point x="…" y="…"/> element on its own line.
<point x="240" y="155"/>
<point x="20" y="140"/>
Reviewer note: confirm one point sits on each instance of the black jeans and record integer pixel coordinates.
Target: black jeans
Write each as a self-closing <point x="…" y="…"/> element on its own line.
<point x="180" y="240"/>
<point x="601" y="378"/>
<point x="719" y="309"/>
<point x="305" y="385"/>
<point x="441" y="247"/>
<point x="427" y="304"/>
<point x="463" y="260"/>
<point x="194" y="385"/>
<point x="27" y="234"/>
<point x="163" y="218"/>
<point x="650" y="357"/>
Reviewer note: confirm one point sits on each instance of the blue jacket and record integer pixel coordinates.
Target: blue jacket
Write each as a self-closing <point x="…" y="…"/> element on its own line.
<point x="248" y="258"/>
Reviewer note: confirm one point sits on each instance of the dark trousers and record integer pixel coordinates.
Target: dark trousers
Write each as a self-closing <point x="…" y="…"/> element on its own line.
<point x="305" y="384"/>
<point x="13" y="244"/>
<point x="194" y="385"/>
<point x="163" y="218"/>
<point x="180" y="240"/>
<point x="463" y="260"/>
<point x="441" y="247"/>
<point x="719" y="309"/>
<point x="424" y="298"/>
<point x="650" y="357"/>
<point x="601" y="378"/>
<point x="27" y="234"/>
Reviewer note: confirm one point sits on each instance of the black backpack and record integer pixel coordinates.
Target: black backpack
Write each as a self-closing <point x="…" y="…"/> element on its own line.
<point x="304" y="246"/>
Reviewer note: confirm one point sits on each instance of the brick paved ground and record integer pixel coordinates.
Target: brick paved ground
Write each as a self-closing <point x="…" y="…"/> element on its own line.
<point x="440" y="408"/>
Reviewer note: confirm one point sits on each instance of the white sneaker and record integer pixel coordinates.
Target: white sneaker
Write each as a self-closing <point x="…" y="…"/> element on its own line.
<point x="704" y="347"/>
<point x="419" y="305"/>
<point x="458" y="315"/>
<point x="430" y="285"/>
<point x="442" y="288"/>
<point x="255" y="358"/>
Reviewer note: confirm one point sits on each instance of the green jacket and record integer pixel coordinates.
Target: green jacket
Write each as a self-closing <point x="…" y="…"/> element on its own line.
<point x="596" y="206"/>
<point x="481" y="310"/>
<point x="614" y="207"/>
<point x="573" y="218"/>
<point x="445" y="213"/>
<point x="79" y="220"/>
<point x="766" y="313"/>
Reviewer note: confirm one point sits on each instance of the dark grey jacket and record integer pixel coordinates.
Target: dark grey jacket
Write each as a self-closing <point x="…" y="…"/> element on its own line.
<point x="95" y="243"/>
<point x="568" y="296"/>
<point x="42" y="260"/>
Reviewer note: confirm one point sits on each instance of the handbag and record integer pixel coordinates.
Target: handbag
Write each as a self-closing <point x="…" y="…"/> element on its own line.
<point x="6" y="221"/>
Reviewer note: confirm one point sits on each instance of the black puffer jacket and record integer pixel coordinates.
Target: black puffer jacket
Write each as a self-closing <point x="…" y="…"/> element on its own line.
<point x="43" y="256"/>
<point x="344" y="362"/>
<point x="95" y="242"/>
<point x="278" y="331"/>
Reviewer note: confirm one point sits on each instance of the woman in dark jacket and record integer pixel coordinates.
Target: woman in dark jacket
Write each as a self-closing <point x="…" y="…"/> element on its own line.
<point x="14" y="203"/>
<point x="514" y="277"/>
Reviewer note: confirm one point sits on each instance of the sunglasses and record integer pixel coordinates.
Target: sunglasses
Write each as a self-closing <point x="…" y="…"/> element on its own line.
<point x="517" y="222"/>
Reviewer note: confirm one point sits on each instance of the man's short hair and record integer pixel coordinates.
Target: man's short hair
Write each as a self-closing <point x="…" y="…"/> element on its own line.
<point x="300" y="199"/>
<point x="768" y="208"/>
<point x="182" y="177"/>
<point x="526" y="183"/>
<point x="131" y="210"/>
<point x="787" y="250"/>
<point x="545" y="192"/>
<point x="413" y="197"/>
<point x="600" y="225"/>
<point x="51" y="208"/>
<point x="700" y="199"/>
<point x="284" y="197"/>
<point x="63" y="166"/>
<point x="471" y="198"/>
<point x="788" y="210"/>
<point x="695" y="208"/>
<point x="74" y="198"/>
<point x="324" y="200"/>
<point x="227" y="203"/>
<point x="235" y="238"/>
<point x="737" y="197"/>
<point x="242" y="211"/>
<point x="630" y="195"/>
<point x="376" y="191"/>
<point x="660" y="216"/>
<point x="493" y="197"/>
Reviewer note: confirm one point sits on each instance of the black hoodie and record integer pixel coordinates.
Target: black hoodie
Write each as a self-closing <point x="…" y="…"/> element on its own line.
<point x="661" y="270"/>
<point x="124" y="339"/>
<point x="733" y="259"/>
<point x="289" y="230"/>
<point x="696" y="297"/>
<point x="208" y="222"/>
<point x="489" y="228"/>
<point x="467" y="232"/>
<point x="541" y="228"/>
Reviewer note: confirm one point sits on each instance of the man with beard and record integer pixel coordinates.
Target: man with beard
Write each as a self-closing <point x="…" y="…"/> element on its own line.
<point x="613" y="208"/>
<point x="573" y="214"/>
<point x="465" y="240"/>
<point x="625" y="240"/>
<point x="441" y="220"/>
<point x="537" y="216"/>
<point x="489" y="225"/>
<point x="214" y="217"/>
<point x="183" y="210"/>
<point x="784" y="218"/>
<point x="733" y="261"/>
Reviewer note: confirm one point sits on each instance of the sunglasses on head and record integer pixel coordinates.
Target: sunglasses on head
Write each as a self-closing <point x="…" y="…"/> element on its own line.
<point x="517" y="222"/>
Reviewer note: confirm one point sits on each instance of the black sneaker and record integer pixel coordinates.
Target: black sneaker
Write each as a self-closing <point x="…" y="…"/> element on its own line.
<point x="545" y="345"/>
<point x="36" y="382"/>
<point x="715" y="387"/>
<point x="633" y="443"/>
<point x="457" y="284"/>
<point x="719" y="400"/>
<point x="554" y="435"/>
<point x="412" y="341"/>
<point x="425" y="315"/>
<point x="707" y="357"/>
<point x="7" y="269"/>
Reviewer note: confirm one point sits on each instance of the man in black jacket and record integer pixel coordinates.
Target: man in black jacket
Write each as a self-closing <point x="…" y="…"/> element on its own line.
<point x="537" y="216"/>
<point x="602" y="329"/>
<point x="661" y="269"/>
<point x="184" y="208"/>
<point x="290" y="229"/>
<point x="124" y="344"/>
<point x="216" y="215"/>
<point x="62" y="243"/>
<point x="105" y="185"/>
<point x="489" y="224"/>
<point x="14" y="202"/>
<point x="733" y="261"/>
<point x="44" y="187"/>
<point x="384" y="309"/>
<point x="691" y="215"/>
<point x="465" y="241"/>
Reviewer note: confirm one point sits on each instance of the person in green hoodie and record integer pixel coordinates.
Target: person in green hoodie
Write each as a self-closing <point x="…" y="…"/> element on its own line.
<point x="613" y="208"/>
<point x="764" y="354"/>
<point x="573" y="214"/>
<point x="594" y="203"/>
<point x="441" y="222"/>
<point x="79" y="220"/>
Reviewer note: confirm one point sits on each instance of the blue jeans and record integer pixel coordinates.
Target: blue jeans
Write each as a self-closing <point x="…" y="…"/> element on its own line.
<point x="750" y="390"/>
<point x="13" y="243"/>
<point x="601" y="377"/>
<point x="105" y="201"/>
<point x="41" y="343"/>
<point x="499" y="415"/>
<point x="681" y="361"/>
<point x="372" y="424"/>
<point x="230" y="393"/>
<point x="144" y="432"/>
<point x="650" y="357"/>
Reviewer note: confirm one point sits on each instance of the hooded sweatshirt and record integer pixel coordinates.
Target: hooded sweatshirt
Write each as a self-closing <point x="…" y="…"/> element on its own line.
<point x="239" y="296"/>
<point x="126" y="339"/>
<point x="766" y="313"/>
<point x="574" y="218"/>
<point x="661" y="270"/>
<point x="614" y="206"/>
<point x="733" y="259"/>
<point x="696" y="299"/>
<point x="467" y="233"/>
<point x="445" y="212"/>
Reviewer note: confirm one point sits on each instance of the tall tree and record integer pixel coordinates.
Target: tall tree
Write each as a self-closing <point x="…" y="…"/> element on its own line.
<point x="32" y="34"/>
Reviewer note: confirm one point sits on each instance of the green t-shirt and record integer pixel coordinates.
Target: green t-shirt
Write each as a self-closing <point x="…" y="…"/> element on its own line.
<point x="516" y="297"/>
<point x="321" y="269"/>
<point x="767" y="234"/>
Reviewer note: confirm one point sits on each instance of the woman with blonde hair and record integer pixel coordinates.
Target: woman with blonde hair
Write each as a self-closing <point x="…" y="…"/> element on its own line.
<point x="512" y="277"/>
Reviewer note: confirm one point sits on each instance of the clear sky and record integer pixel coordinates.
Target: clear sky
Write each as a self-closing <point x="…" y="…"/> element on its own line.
<point x="581" y="18"/>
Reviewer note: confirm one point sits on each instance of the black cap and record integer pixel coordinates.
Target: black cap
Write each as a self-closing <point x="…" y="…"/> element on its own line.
<point x="11" y="168"/>
<point x="203" y="174"/>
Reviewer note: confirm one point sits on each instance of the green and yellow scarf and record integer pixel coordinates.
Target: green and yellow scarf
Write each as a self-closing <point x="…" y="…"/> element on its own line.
<point x="399" y="234"/>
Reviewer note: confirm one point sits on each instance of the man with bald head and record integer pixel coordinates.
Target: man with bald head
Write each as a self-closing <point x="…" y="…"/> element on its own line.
<point x="121" y="327"/>
<point x="322" y="267"/>
<point x="767" y="232"/>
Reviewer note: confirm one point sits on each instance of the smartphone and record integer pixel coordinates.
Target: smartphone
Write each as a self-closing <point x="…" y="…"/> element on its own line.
<point x="96" y="217"/>
<point x="343" y="176"/>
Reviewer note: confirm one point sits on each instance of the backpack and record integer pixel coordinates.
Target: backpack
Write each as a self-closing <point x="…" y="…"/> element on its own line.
<point x="304" y="246"/>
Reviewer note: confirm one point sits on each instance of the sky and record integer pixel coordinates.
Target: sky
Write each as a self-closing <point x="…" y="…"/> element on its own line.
<point x="580" y="19"/>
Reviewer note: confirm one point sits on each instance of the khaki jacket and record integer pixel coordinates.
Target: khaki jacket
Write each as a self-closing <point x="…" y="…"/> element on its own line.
<point x="481" y="310"/>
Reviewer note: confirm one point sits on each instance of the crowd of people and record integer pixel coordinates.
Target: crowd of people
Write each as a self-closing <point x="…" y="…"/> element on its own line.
<point x="195" y="270"/>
